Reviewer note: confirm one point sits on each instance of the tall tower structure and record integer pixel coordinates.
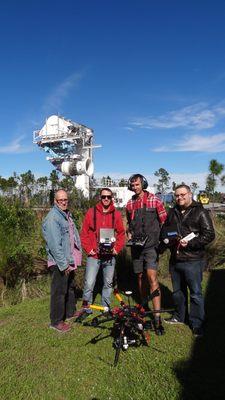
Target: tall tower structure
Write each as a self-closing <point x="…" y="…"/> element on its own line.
<point x="70" y="149"/>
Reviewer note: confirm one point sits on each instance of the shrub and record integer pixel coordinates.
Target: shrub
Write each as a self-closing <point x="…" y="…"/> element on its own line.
<point x="18" y="237"/>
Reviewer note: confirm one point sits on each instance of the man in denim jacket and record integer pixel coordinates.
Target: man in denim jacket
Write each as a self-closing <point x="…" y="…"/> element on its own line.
<point x="64" y="255"/>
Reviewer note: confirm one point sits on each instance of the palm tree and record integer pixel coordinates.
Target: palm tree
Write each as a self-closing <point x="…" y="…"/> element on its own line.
<point x="54" y="179"/>
<point x="194" y="186"/>
<point x="215" y="169"/>
<point x="42" y="183"/>
<point x="163" y="181"/>
<point x="27" y="181"/>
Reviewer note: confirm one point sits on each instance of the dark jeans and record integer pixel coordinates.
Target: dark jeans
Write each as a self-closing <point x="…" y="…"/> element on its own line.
<point x="62" y="302"/>
<point x="188" y="275"/>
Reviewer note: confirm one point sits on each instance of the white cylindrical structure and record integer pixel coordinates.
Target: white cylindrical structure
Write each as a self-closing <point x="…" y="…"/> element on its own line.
<point x="82" y="183"/>
<point x="71" y="168"/>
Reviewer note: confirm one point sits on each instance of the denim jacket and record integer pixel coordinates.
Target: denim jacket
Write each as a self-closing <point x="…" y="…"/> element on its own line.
<point x="55" y="230"/>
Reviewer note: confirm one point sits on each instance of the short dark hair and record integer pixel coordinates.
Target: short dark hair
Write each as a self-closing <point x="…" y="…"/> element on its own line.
<point x="134" y="177"/>
<point x="183" y="185"/>
<point x="108" y="190"/>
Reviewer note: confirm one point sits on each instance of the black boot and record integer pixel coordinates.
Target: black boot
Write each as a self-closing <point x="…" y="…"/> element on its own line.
<point x="159" y="330"/>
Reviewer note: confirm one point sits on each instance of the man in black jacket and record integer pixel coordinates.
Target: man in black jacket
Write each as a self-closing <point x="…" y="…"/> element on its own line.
<point x="187" y="230"/>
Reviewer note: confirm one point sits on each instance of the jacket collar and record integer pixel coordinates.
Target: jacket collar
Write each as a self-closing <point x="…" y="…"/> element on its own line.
<point x="192" y="205"/>
<point x="99" y="207"/>
<point x="144" y="197"/>
<point x="63" y="213"/>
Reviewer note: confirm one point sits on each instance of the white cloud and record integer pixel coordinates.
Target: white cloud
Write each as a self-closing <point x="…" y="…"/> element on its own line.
<point x="15" y="147"/>
<point x="55" y="99"/>
<point x="197" y="116"/>
<point x="220" y="110"/>
<point x="128" y="128"/>
<point x="207" y="144"/>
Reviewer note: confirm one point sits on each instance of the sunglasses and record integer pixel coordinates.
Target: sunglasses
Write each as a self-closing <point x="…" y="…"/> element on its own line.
<point x="104" y="196"/>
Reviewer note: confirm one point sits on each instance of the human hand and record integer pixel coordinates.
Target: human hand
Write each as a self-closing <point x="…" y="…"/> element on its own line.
<point x="68" y="270"/>
<point x="114" y="252"/>
<point x="129" y="236"/>
<point x="183" y="243"/>
<point x="92" y="252"/>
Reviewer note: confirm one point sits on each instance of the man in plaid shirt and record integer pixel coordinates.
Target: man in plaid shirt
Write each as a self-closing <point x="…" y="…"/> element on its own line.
<point x="145" y="215"/>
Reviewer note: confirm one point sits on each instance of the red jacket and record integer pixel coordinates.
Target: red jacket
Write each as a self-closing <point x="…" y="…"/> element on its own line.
<point x="89" y="237"/>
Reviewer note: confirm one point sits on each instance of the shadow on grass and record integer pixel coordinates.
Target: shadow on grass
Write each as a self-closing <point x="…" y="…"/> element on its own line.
<point x="124" y="280"/>
<point x="127" y="280"/>
<point x="124" y="277"/>
<point x="203" y="376"/>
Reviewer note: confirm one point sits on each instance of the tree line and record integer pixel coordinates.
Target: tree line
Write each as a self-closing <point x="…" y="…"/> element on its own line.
<point x="214" y="177"/>
<point x="33" y="191"/>
<point x="36" y="191"/>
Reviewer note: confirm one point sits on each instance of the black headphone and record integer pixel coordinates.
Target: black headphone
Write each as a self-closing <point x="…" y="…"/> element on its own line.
<point x="144" y="182"/>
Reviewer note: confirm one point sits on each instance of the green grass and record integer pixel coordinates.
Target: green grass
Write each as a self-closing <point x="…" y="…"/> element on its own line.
<point x="39" y="363"/>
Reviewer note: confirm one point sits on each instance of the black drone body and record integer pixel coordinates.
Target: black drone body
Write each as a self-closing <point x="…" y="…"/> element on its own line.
<point x="130" y="327"/>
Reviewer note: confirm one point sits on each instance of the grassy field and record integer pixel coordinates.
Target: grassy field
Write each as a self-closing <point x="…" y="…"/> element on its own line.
<point x="39" y="363"/>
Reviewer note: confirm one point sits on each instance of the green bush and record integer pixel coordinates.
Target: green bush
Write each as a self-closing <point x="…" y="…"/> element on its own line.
<point x="19" y="264"/>
<point x="18" y="241"/>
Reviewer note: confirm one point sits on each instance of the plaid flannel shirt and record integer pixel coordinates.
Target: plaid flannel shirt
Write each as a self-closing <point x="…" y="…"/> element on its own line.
<point x="151" y="201"/>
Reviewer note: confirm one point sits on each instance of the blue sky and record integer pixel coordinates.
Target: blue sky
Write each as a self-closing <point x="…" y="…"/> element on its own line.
<point x="148" y="77"/>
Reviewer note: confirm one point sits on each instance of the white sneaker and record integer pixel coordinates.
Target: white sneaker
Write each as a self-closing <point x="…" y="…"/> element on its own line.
<point x="173" y="321"/>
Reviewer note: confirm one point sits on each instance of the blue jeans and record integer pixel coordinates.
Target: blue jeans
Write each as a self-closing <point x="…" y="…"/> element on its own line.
<point x="92" y="268"/>
<point x="188" y="275"/>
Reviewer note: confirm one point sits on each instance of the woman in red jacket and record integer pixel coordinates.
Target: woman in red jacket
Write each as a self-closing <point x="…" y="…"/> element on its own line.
<point x="102" y="238"/>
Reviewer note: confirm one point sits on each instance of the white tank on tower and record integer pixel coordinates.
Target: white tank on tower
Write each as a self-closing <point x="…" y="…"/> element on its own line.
<point x="70" y="147"/>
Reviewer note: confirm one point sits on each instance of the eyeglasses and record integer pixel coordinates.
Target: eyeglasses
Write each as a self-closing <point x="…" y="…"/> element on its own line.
<point x="180" y="195"/>
<point x="62" y="201"/>
<point x="104" y="196"/>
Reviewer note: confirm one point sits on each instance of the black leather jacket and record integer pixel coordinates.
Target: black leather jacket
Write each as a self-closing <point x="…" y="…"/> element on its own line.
<point x="195" y="219"/>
